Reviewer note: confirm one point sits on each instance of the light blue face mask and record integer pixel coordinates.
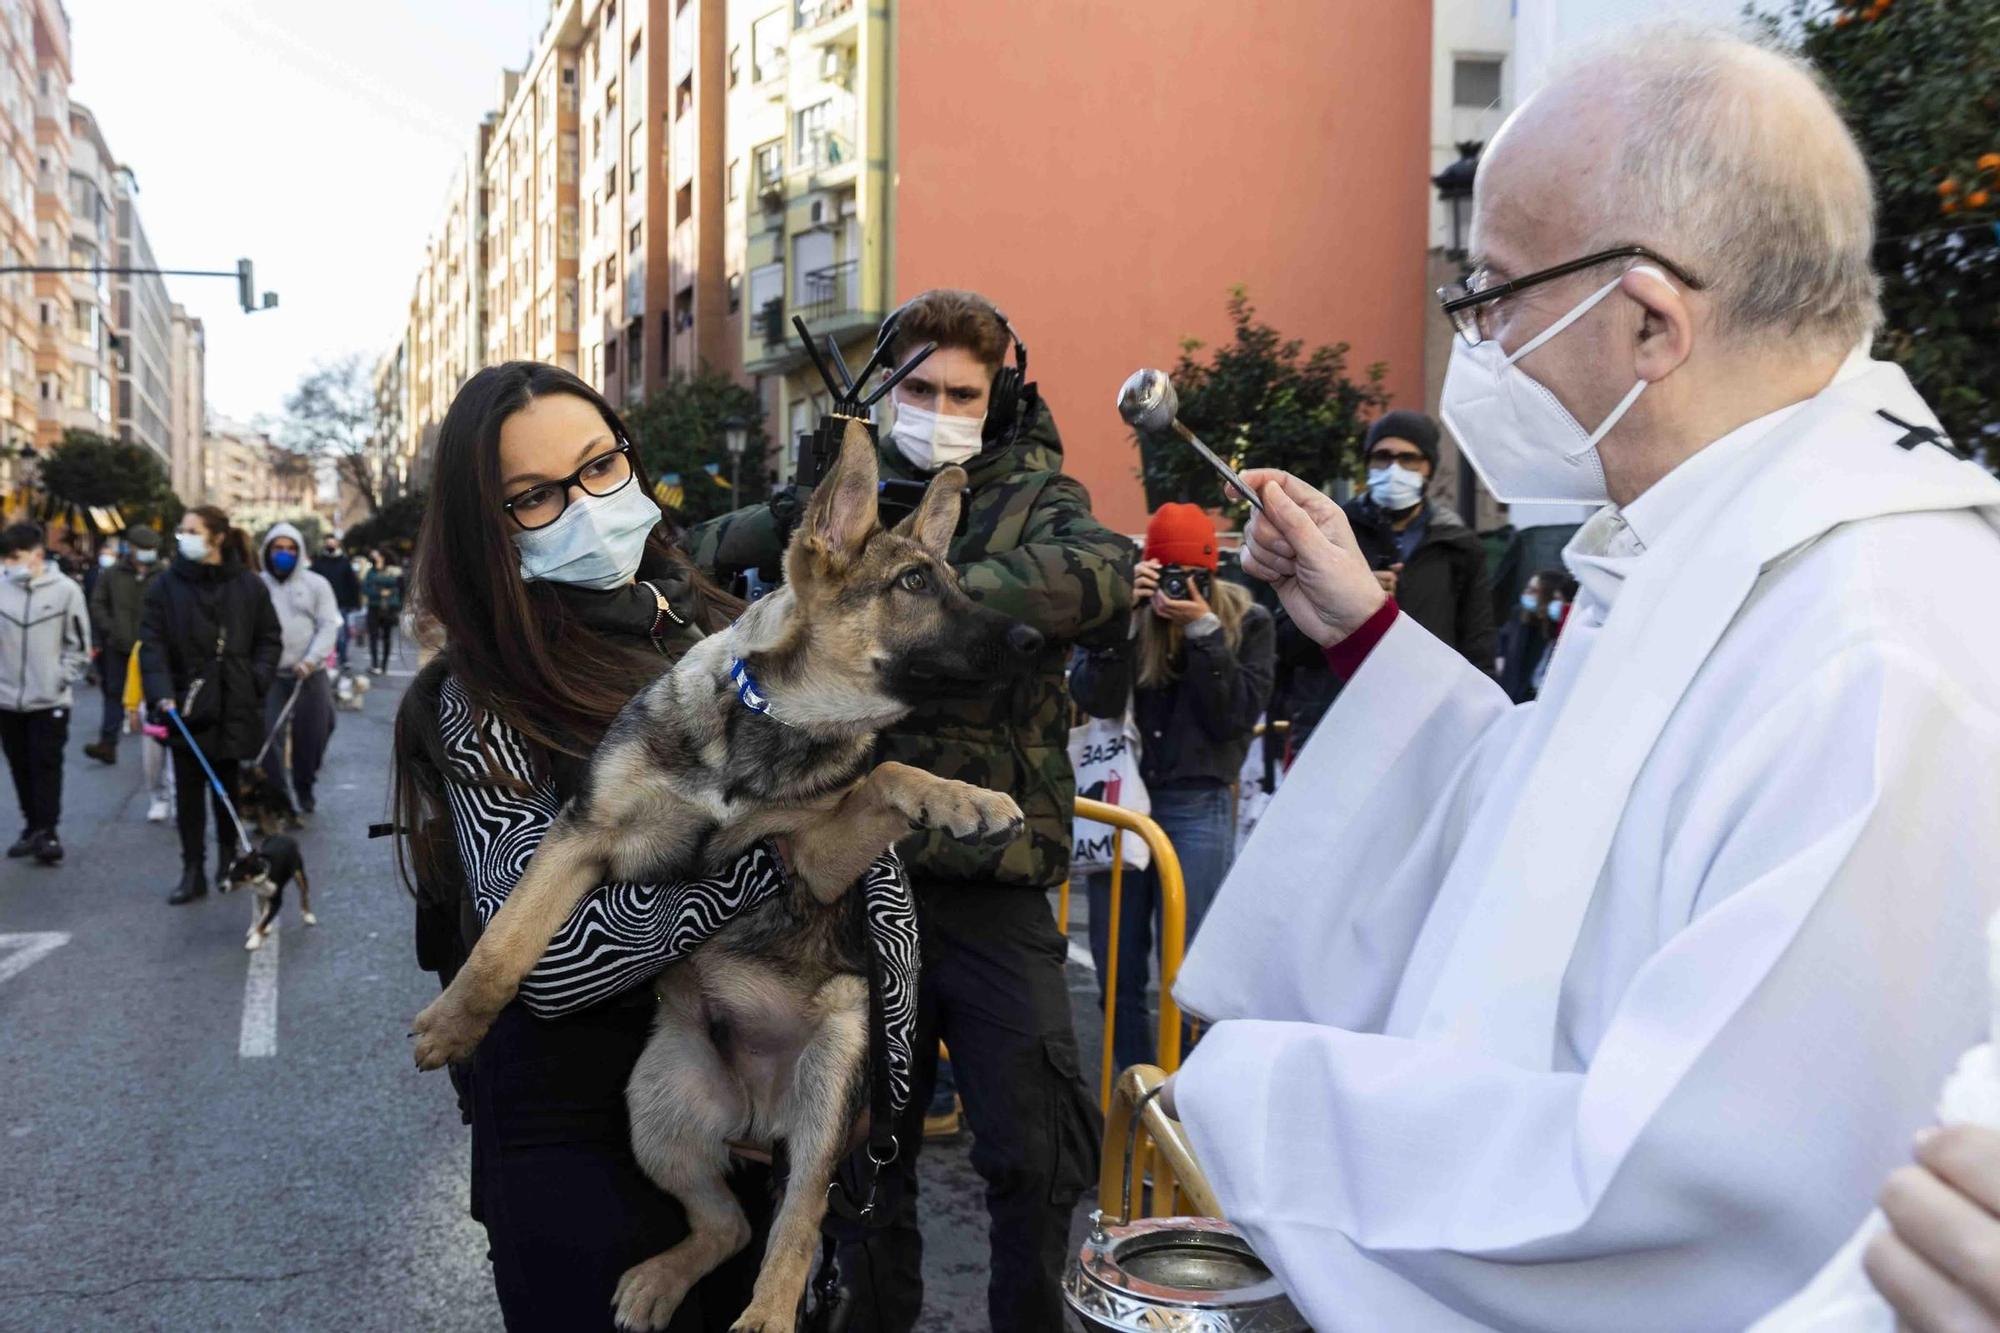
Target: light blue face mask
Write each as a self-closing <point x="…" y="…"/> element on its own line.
<point x="1556" y="609"/>
<point x="597" y="543"/>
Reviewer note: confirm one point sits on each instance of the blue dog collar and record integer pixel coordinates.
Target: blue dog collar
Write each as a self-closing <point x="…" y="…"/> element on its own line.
<point x="748" y="692"/>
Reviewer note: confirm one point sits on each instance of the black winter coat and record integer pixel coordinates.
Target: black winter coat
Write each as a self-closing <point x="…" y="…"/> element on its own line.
<point x="215" y="624"/>
<point x="1443" y="585"/>
<point x="337" y="570"/>
<point x="1195" y="728"/>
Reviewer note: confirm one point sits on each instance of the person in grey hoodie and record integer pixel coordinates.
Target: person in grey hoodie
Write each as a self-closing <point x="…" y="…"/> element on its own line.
<point x="309" y="616"/>
<point x="44" y="650"/>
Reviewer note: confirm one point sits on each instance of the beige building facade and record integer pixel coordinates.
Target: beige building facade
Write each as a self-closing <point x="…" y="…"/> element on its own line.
<point x="187" y="356"/>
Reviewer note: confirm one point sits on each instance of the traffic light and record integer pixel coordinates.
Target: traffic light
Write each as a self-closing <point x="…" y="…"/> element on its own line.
<point x="246" y="286"/>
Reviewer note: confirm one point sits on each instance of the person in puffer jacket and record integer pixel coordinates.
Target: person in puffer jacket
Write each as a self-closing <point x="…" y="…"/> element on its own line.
<point x="309" y="617"/>
<point x="44" y="650"/>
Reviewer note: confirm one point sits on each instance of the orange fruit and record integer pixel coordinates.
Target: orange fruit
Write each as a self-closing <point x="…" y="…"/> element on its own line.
<point x="1947" y="187"/>
<point x="1977" y="199"/>
<point x="1989" y="161"/>
<point x="1948" y="206"/>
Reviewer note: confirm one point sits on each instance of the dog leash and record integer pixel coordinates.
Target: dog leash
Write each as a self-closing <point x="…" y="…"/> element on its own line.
<point x="297" y="689"/>
<point x="242" y="838"/>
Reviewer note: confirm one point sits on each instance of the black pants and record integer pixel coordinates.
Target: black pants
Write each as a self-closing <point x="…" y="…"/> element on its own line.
<point x="566" y="1207"/>
<point x="994" y="989"/>
<point x="310" y="725"/>
<point x="112" y="682"/>
<point x="34" y="743"/>
<point x="381" y="636"/>
<point x="190" y="789"/>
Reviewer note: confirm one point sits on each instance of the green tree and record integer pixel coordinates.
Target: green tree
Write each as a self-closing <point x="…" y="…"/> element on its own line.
<point x="392" y="527"/>
<point x="1260" y="401"/>
<point x="679" y="434"/>
<point x="89" y="469"/>
<point x="1916" y="81"/>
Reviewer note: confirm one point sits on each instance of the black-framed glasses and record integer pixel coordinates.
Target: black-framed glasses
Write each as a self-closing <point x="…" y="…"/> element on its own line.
<point x="544" y="503"/>
<point x="1469" y="307"/>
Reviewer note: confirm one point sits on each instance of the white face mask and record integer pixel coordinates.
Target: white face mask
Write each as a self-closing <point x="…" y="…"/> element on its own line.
<point x="597" y="543"/>
<point x="106" y="559"/>
<point x="145" y="555"/>
<point x="1525" y="443"/>
<point x="1395" y="488"/>
<point x="932" y="441"/>
<point x="193" y="545"/>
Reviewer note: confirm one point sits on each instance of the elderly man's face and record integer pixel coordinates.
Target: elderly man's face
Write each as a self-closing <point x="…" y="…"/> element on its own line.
<point x="1532" y="211"/>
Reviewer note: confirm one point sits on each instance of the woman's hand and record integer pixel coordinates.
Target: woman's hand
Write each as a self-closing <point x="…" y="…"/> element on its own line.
<point x="1938" y="1265"/>
<point x="1303" y="547"/>
<point x="1182" y="613"/>
<point x="1145" y="581"/>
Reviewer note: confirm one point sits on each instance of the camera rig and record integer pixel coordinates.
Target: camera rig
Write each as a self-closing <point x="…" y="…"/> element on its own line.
<point x="818" y="449"/>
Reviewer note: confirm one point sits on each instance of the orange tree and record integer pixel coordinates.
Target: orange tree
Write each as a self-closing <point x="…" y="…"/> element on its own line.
<point x="1919" y="82"/>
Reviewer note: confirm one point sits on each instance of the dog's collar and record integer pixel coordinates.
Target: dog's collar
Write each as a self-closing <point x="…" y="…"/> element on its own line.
<point x="748" y="692"/>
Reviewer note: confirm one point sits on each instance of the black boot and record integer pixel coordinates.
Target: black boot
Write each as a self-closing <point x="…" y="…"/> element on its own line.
<point x="104" y="752"/>
<point x="192" y="885"/>
<point x="49" y="851"/>
<point x="25" y="845"/>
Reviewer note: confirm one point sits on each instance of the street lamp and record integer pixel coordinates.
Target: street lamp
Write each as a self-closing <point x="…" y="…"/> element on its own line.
<point x="1454" y="187"/>
<point x="735" y="438"/>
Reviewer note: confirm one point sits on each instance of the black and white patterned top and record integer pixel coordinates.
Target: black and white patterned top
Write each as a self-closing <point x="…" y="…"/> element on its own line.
<point x="622" y="934"/>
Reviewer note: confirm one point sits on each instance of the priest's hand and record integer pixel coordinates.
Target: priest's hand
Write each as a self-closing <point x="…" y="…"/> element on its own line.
<point x="1302" y="546"/>
<point x="1938" y="1264"/>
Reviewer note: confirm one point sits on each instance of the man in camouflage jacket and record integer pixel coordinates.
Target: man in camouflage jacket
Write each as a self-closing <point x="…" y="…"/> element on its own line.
<point x="994" y="986"/>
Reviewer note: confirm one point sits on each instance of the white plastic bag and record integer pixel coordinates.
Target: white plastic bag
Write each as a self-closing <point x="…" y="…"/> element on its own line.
<point x="1104" y="752"/>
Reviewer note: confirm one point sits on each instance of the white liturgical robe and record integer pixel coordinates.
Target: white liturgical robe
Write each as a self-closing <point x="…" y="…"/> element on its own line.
<point x="1612" y="1010"/>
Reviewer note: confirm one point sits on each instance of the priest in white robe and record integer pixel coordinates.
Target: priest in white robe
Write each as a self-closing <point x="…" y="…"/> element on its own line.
<point x="1612" y="1010"/>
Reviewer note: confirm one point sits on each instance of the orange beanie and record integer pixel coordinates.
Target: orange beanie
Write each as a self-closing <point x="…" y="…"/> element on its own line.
<point x="1181" y="534"/>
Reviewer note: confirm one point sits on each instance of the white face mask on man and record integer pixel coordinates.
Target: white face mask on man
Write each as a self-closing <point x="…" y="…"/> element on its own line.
<point x="1525" y="443"/>
<point x="932" y="440"/>
<point x="1395" y="488"/>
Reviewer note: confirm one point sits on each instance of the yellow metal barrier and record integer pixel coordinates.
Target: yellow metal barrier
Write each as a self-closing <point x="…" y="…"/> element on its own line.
<point x="1142" y="1145"/>
<point x="1173" y="929"/>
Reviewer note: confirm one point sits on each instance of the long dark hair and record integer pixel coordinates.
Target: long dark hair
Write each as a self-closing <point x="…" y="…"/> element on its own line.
<point x="513" y="646"/>
<point x="233" y="542"/>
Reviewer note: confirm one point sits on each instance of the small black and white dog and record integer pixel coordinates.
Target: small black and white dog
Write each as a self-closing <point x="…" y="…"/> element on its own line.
<point x="266" y="872"/>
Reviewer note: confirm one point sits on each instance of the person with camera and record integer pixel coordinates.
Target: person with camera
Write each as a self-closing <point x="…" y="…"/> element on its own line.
<point x="1196" y="673"/>
<point x="993" y="983"/>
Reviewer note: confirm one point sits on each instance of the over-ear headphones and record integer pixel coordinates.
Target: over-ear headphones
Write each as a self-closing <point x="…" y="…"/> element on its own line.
<point x="1006" y="400"/>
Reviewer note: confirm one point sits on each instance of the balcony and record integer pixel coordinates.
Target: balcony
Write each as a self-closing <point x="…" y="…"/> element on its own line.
<point x="682" y="250"/>
<point x="824" y="150"/>
<point x="831" y="292"/>
<point x="770" y="319"/>
<point x="812" y="13"/>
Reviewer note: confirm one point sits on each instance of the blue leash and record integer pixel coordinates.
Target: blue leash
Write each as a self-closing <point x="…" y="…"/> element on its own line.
<point x="242" y="839"/>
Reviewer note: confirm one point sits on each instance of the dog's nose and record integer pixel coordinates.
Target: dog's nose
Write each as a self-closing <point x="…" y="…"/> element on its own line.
<point x="1024" y="639"/>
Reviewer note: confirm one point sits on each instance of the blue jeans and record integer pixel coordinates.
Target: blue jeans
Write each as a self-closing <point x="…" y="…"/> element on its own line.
<point x="1199" y="821"/>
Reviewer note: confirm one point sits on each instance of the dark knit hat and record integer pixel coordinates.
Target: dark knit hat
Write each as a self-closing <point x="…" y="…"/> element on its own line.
<point x="143" y="537"/>
<point x="1415" y="427"/>
<point x="1182" y="534"/>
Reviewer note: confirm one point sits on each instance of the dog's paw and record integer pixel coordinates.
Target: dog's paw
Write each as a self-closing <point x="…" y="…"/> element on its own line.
<point x="966" y="812"/>
<point x="255" y="941"/>
<point x="650" y="1292"/>
<point x="311" y="920"/>
<point x="759" y="1320"/>
<point x="445" y="1032"/>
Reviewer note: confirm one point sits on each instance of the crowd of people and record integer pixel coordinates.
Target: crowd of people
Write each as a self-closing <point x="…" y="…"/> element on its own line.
<point x="214" y="660"/>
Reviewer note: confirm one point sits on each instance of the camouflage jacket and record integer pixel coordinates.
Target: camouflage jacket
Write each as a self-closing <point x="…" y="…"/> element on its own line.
<point x="1028" y="546"/>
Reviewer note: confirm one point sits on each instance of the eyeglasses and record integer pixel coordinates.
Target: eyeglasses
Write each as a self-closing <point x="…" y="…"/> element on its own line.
<point x="543" y="504"/>
<point x="1393" y="457"/>
<point x="1469" y="306"/>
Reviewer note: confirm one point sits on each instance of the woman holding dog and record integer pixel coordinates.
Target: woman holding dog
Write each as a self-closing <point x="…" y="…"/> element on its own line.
<point x="545" y="569"/>
<point x="1196" y="674"/>
<point x="208" y="650"/>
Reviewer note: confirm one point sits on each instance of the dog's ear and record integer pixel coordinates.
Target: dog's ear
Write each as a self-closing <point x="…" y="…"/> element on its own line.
<point x="842" y="513"/>
<point x="933" y="521"/>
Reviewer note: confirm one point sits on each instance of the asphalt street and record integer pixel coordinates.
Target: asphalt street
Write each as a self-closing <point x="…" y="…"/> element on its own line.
<point x="172" y="1161"/>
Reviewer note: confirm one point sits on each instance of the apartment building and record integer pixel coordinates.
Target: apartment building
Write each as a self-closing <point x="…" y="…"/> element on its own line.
<point x="143" y="314"/>
<point x="89" y="337"/>
<point x="52" y="211"/>
<point x="532" y="222"/>
<point x="19" y="315"/>
<point x="187" y="378"/>
<point x="395" y="444"/>
<point x="238" y="457"/>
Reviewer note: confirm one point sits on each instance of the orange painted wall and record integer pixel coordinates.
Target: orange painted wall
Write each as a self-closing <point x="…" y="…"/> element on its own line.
<point x="1107" y="169"/>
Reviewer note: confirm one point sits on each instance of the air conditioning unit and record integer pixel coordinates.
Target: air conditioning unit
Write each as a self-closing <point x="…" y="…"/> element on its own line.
<point x="822" y="211"/>
<point x="835" y="64"/>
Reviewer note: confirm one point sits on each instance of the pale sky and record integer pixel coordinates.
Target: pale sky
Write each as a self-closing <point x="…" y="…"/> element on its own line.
<point x="315" y="139"/>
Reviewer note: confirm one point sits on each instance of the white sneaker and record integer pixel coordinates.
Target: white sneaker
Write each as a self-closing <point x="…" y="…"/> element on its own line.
<point x="157" y="813"/>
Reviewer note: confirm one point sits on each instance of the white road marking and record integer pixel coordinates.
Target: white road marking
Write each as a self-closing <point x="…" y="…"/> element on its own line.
<point x="20" y="952"/>
<point x="1079" y="955"/>
<point x="260" y="1002"/>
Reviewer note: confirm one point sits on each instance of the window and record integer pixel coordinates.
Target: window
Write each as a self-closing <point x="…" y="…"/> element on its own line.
<point x="770" y="162"/>
<point x="597" y="367"/>
<point x="735" y="284"/>
<point x="566" y="311"/>
<point x="684" y="202"/>
<point x="808" y="127"/>
<point x="735" y="179"/>
<point x="566" y="237"/>
<point x="635" y="352"/>
<point x="635" y="156"/>
<point x="1475" y="82"/>
<point x="633" y="239"/>
<point x="735" y="64"/>
<point x="610" y="358"/>
<point x="596" y="136"/>
<point x="767" y="47"/>
<point x="566" y="159"/>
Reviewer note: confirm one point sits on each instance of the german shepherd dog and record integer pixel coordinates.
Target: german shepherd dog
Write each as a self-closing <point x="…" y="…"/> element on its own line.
<point x="761" y="1035"/>
<point x="265" y="872"/>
